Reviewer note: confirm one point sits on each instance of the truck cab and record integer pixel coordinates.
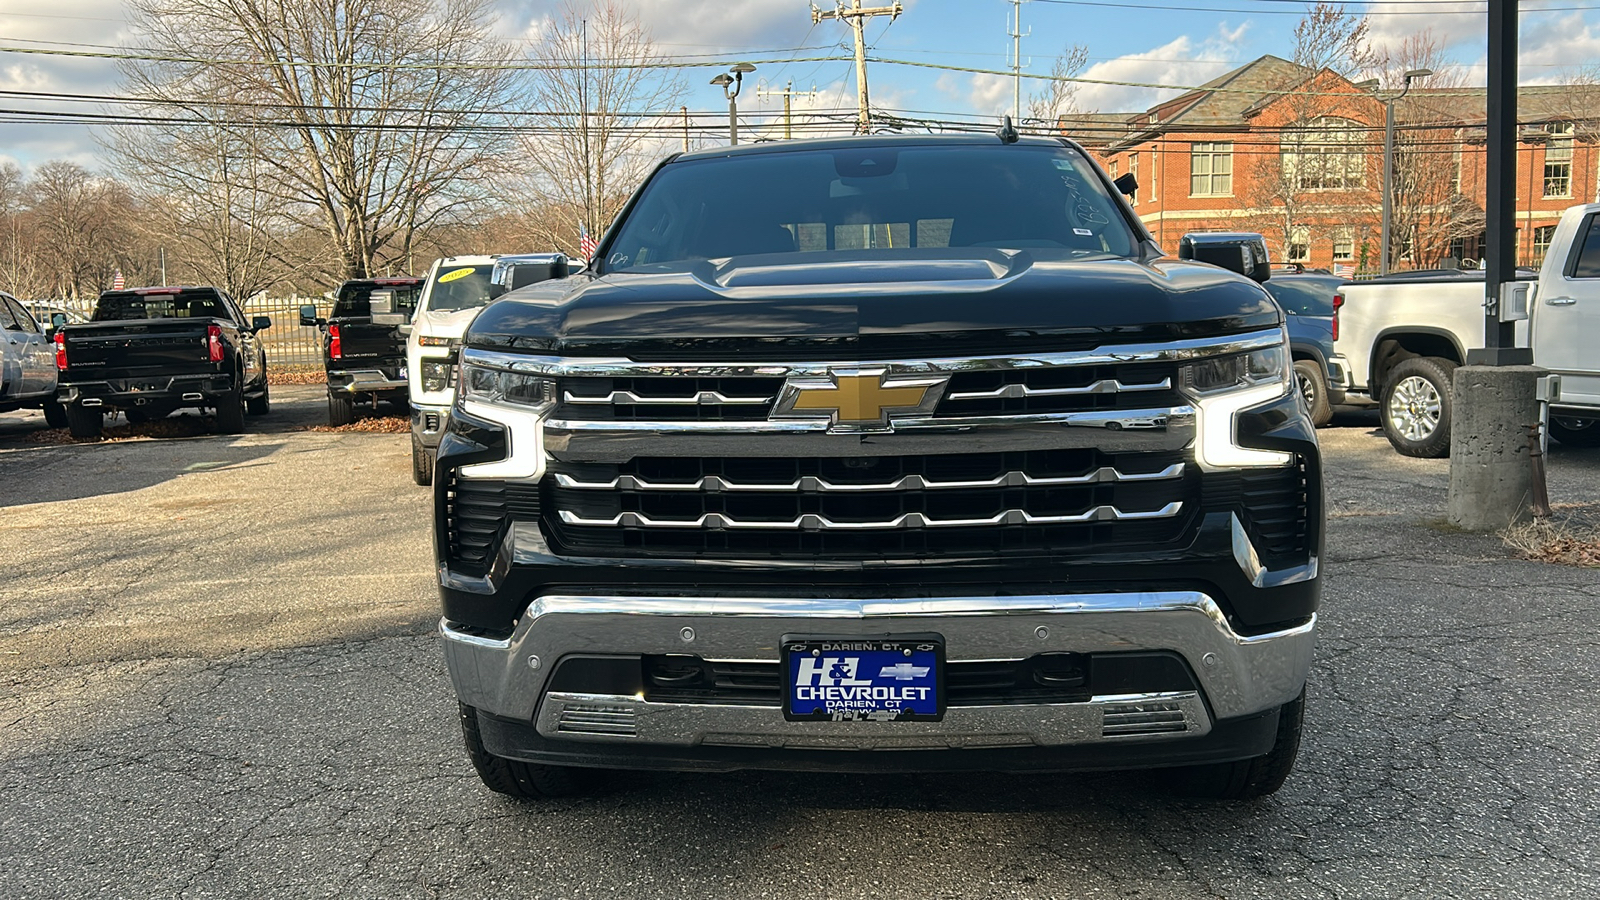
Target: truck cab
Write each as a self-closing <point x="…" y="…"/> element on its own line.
<point x="1565" y="326"/>
<point x="454" y="291"/>
<point x="363" y="349"/>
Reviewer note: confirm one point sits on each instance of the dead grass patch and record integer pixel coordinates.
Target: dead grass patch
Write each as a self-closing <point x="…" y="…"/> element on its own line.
<point x="374" y="425"/>
<point x="296" y="375"/>
<point x="1571" y="537"/>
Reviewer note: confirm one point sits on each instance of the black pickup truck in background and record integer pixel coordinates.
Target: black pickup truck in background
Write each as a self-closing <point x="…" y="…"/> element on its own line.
<point x="362" y="347"/>
<point x="149" y="351"/>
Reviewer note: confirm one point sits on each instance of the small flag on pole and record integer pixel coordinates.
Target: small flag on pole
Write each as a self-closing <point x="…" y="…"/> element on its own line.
<point x="117" y="281"/>
<point x="587" y="245"/>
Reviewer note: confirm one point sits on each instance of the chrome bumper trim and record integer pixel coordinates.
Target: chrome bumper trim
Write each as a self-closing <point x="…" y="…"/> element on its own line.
<point x="1101" y="475"/>
<point x="1249" y="561"/>
<point x="1238" y="674"/>
<point x="815" y="522"/>
<point x="613" y="718"/>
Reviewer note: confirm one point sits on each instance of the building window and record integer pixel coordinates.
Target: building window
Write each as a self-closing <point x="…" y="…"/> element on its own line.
<point x="1326" y="154"/>
<point x="1133" y="169"/>
<point x="1211" y="170"/>
<point x="1541" y="242"/>
<point x="1299" y="244"/>
<point x="1344" y="245"/>
<point x="1558" y="160"/>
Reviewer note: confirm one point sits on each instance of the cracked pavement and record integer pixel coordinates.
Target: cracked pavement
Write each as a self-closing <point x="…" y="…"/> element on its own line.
<point x="201" y="703"/>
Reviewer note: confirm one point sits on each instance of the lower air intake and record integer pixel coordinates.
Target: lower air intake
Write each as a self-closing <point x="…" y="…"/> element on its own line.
<point x="597" y="718"/>
<point x="1143" y="718"/>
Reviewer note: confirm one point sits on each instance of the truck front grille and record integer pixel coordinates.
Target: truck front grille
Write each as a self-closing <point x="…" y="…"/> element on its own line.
<point x="1273" y="505"/>
<point x="477" y="514"/>
<point x="868" y="507"/>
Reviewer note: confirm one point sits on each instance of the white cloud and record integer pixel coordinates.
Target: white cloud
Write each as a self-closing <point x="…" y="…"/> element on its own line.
<point x="1180" y="62"/>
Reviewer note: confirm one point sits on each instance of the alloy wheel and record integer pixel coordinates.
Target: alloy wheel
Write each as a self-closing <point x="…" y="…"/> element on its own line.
<point x="1414" y="408"/>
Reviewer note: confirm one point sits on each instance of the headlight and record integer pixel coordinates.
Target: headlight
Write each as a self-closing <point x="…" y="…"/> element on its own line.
<point x="1225" y="385"/>
<point x="500" y="386"/>
<point x="438" y="376"/>
<point x="431" y="341"/>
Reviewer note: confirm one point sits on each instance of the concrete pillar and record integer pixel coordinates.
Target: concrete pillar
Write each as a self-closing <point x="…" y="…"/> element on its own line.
<point x="1490" y="475"/>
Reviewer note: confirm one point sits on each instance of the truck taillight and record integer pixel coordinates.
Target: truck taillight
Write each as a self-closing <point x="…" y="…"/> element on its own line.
<point x="1338" y="301"/>
<point x="214" y="342"/>
<point x="61" y="351"/>
<point x="335" y="348"/>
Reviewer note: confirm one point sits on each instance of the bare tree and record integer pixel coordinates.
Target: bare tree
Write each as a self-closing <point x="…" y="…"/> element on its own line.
<point x="603" y="98"/>
<point x="368" y="120"/>
<point x="1059" y="96"/>
<point x="79" y="229"/>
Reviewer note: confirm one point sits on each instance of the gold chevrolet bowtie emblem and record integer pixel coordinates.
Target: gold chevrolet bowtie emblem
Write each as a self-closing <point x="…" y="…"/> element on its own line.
<point x="859" y="400"/>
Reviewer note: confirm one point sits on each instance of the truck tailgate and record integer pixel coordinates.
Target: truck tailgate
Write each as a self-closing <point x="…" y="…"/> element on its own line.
<point x="363" y="342"/>
<point x="132" y="348"/>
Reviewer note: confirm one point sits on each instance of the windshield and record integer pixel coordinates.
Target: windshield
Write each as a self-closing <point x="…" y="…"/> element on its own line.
<point x="1046" y="199"/>
<point x="459" y="287"/>
<point x="187" y="305"/>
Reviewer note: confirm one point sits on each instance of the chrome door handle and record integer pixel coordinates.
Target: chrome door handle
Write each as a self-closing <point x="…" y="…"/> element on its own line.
<point x="1561" y="301"/>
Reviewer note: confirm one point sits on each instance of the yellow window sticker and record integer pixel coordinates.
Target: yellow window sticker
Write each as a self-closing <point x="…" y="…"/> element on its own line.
<point x="457" y="274"/>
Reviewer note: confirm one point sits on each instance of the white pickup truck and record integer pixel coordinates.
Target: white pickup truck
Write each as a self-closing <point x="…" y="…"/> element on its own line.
<point x="1398" y="340"/>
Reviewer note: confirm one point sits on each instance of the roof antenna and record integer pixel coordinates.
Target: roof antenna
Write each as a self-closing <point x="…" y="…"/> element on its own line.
<point x="1007" y="133"/>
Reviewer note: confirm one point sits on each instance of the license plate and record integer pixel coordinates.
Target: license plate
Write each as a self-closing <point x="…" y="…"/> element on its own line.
<point x="896" y="678"/>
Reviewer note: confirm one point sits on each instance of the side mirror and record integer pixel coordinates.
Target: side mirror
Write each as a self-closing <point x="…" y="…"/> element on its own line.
<point x="496" y="290"/>
<point x="1126" y="184"/>
<point x="261" y="323"/>
<point x="308" y="315"/>
<point x="380" y="303"/>
<point x="405" y="330"/>
<point x="1244" y="253"/>
<point x="388" y="318"/>
<point x="58" y="320"/>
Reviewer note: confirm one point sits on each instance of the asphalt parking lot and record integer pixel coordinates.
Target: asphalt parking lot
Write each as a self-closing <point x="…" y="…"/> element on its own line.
<point x="223" y="681"/>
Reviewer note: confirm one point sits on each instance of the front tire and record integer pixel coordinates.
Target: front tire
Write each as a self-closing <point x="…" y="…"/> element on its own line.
<point x="1575" y="432"/>
<point x="1247" y="779"/>
<point x="1312" y="382"/>
<point x="260" y="406"/>
<point x="514" y="778"/>
<point x="341" y="409"/>
<point x="84" y="422"/>
<point x="55" y="415"/>
<point x="1416" y="407"/>
<point x="421" y="463"/>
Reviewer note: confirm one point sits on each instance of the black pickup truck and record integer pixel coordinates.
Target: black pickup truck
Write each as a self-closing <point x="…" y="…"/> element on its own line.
<point x="149" y="351"/>
<point x="362" y="347"/>
<point x="894" y="453"/>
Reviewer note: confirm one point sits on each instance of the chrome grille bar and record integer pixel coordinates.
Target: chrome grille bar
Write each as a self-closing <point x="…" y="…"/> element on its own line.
<point x="1101" y="475"/>
<point x="1021" y="391"/>
<point x="700" y="398"/>
<point x="814" y="522"/>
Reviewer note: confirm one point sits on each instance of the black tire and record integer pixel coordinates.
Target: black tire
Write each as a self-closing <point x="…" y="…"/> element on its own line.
<point x="85" y="422"/>
<point x="1416" y="407"/>
<point x="55" y="415"/>
<point x="1247" y="779"/>
<point x="230" y="412"/>
<point x="1311" y="380"/>
<point x="1575" y="432"/>
<point x="136" y="416"/>
<point x="421" y="463"/>
<point x="514" y="778"/>
<point x="260" y="406"/>
<point x="341" y="409"/>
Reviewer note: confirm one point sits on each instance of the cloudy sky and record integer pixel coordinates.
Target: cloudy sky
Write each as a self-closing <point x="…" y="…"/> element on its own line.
<point x="1173" y="42"/>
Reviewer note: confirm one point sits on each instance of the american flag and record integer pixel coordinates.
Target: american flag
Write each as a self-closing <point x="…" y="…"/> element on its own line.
<point x="117" y="281"/>
<point x="587" y="245"/>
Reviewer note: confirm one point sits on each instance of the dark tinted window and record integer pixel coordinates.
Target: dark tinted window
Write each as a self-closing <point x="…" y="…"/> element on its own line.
<point x="355" y="299"/>
<point x="25" y="321"/>
<point x="202" y="304"/>
<point x="8" y="319"/>
<point x="879" y="197"/>
<point x="460" y="287"/>
<point x="1587" y="265"/>
<point x="1301" y="296"/>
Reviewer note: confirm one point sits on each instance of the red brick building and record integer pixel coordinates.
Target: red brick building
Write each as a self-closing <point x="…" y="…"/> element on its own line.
<point x="1297" y="155"/>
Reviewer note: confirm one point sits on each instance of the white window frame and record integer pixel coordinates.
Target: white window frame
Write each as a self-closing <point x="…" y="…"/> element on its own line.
<point x="1217" y="184"/>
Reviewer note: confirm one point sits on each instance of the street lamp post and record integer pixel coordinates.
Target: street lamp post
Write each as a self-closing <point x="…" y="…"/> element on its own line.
<point x="1388" y="158"/>
<point x="731" y="81"/>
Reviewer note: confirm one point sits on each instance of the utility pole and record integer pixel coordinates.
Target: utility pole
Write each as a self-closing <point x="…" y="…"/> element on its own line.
<point x="685" y="129"/>
<point x="1016" y="60"/>
<point x="588" y="159"/>
<point x="856" y="17"/>
<point x="786" y="94"/>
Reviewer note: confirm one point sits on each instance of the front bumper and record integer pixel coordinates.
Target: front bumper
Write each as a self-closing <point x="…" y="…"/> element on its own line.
<point x="1237" y="678"/>
<point x="428" y="423"/>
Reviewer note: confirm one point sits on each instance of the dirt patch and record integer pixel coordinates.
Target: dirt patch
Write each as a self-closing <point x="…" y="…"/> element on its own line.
<point x="376" y="425"/>
<point x="1571" y="537"/>
<point x="177" y="427"/>
<point x="297" y="375"/>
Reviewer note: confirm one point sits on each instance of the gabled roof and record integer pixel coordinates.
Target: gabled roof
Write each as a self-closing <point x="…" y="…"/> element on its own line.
<point x="1224" y="100"/>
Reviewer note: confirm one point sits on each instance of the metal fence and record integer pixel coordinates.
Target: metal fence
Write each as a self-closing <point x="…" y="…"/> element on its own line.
<point x="289" y="343"/>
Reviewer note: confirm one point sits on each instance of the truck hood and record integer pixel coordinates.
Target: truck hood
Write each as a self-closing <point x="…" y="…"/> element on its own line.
<point x="844" y="305"/>
<point x="444" y="323"/>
